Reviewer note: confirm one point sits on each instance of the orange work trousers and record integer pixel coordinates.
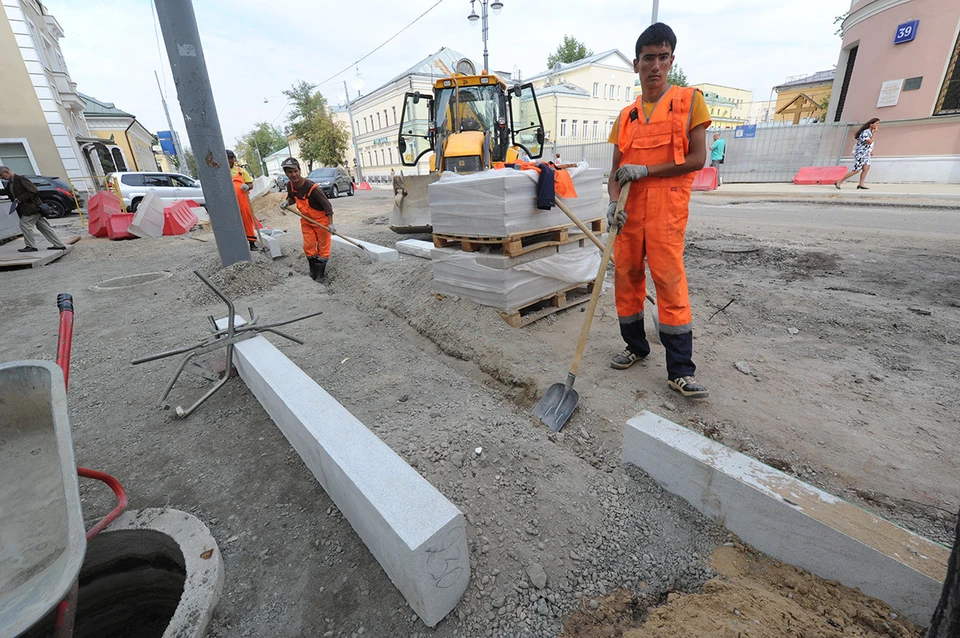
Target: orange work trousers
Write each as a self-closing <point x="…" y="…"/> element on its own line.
<point x="316" y="241"/>
<point x="246" y="212"/>
<point x="656" y="223"/>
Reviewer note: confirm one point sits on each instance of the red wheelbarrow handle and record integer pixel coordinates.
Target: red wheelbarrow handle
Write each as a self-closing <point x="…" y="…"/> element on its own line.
<point x="65" y="338"/>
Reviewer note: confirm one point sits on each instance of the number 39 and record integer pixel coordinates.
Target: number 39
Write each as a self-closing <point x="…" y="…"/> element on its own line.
<point x="904" y="32"/>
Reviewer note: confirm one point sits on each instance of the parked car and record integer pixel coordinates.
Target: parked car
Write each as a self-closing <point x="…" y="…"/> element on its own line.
<point x="135" y="186"/>
<point x="281" y="181"/>
<point x="53" y="191"/>
<point x="333" y="181"/>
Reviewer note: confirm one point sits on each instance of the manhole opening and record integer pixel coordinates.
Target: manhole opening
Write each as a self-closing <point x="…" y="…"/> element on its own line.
<point x="131" y="583"/>
<point x="130" y="281"/>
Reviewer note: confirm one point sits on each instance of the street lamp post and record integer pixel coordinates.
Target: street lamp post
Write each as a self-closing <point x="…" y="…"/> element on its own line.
<point x="496" y="5"/>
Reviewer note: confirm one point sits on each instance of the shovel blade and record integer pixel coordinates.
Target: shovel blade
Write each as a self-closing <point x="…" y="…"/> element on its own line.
<point x="556" y="406"/>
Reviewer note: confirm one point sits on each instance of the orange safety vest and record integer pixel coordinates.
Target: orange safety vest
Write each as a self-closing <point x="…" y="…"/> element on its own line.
<point x="562" y="182"/>
<point x="657" y="210"/>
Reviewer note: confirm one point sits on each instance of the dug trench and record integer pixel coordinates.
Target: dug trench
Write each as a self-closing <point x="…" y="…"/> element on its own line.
<point x="555" y="522"/>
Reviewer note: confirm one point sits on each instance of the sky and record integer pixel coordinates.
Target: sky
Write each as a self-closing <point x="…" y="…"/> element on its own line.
<point x="254" y="49"/>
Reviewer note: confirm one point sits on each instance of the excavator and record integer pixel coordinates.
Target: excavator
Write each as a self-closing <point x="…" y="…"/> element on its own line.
<point x="469" y="122"/>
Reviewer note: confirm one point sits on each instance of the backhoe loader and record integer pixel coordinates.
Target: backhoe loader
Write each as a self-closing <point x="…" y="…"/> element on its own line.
<point x="469" y="122"/>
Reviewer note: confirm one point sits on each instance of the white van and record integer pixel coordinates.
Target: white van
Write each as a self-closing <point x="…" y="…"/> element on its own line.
<point x="134" y="187"/>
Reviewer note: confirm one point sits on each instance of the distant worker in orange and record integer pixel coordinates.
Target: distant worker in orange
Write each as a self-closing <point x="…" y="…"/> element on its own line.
<point x="311" y="202"/>
<point x="243" y="183"/>
<point x="660" y="143"/>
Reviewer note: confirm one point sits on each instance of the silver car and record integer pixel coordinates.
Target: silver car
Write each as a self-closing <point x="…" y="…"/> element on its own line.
<point x="135" y="186"/>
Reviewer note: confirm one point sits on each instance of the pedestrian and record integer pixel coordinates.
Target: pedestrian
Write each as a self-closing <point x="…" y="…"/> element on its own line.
<point x="311" y="202"/>
<point x="862" y="152"/>
<point x="26" y="203"/>
<point x="717" y="151"/>
<point x="557" y="161"/>
<point x="660" y="144"/>
<point x="242" y="183"/>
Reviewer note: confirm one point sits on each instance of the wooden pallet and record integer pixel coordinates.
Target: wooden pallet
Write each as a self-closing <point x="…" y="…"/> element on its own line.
<point x="525" y="315"/>
<point x="517" y="244"/>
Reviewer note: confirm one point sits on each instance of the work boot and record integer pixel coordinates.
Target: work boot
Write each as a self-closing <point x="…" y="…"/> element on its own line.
<point x="312" y="262"/>
<point x="688" y="387"/>
<point x="625" y="359"/>
<point x="321" y="269"/>
<point x="253" y="245"/>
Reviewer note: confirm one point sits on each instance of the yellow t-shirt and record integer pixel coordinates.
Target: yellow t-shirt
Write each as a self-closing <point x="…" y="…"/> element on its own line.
<point x="701" y="115"/>
<point x="239" y="170"/>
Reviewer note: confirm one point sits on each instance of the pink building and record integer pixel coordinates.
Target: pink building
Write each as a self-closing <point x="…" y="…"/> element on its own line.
<point x="900" y="62"/>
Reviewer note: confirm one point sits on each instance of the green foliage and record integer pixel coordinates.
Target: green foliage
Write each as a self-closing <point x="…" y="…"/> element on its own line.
<point x="265" y="137"/>
<point x="839" y="20"/>
<point x="676" y="76"/>
<point x="322" y="139"/>
<point x="570" y="51"/>
<point x="824" y="104"/>
<point x="189" y="161"/>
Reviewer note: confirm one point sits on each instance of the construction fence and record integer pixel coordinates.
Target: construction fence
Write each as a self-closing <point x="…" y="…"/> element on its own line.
<point x="774" y="154"/>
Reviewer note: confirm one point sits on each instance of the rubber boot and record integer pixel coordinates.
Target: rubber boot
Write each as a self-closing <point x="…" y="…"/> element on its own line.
<point x="312" y="261"/>
<point x="321" y="269"/>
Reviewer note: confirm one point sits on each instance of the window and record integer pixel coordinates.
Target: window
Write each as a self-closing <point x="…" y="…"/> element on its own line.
<point x="378" y="122"/>
<point x="369" y="159"/>
<point x="609" y="128"/>
<point x="585" y="132"/>
<point x="118" y="159"/>
<point x="949" y="101"/>
<point x="563" y="128"/>
<point x="14" y="156"/>
<point x="628" y="93"/>
<point x="390" y="153"/>
<point x="383" y="159"/>
<point x="611" y="92"/>
<point x="395" y="115"/>
<point x="596" y="129"/>
<point x="133" y="179"/>
<point x="851" y="60"/>
<point x="156" y="179"/>
<point x="618" y="91"/>
<point x="573" y="129"/>
<point x="184" y="181"/>
<point x="364" y="125"/>
<point x="386" y="120"/>
<point x="358" y="125"/>
<point x="596" y="89"/>
<point x="605" y="88"/>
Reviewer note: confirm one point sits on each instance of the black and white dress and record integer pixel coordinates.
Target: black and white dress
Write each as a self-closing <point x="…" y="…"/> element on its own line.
<point x="863" y="150"/>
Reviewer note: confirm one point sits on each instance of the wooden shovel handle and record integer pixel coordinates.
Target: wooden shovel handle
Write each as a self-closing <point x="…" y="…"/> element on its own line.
<point x="316" y="223"/>
<point x="598" y="283"/>
<point x="580" y="224"/>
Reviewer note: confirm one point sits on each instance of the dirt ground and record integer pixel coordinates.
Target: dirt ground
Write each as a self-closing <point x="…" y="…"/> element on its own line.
<point x="848" y="338"/>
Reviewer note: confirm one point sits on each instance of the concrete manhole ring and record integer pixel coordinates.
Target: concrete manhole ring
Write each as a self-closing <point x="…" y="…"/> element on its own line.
<point x="131" y="281"/>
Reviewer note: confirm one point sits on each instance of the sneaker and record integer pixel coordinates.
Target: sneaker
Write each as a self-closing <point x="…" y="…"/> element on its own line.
<point x="624" y="359"/>
<point x="688" y="387"/>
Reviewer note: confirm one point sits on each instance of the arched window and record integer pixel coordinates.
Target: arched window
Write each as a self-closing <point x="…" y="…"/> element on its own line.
<point x="118" y="159"/>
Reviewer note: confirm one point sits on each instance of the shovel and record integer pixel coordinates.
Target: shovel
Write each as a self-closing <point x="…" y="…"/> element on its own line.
<point x="561" y="399"/>
<point x="316" y="223"/>
<point x="593" y="238"/>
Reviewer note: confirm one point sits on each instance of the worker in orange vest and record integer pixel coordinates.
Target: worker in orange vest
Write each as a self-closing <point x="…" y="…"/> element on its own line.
<point x="242" y="184"/>
<point x="660" y="144"/>
<point x="311" y="202"/>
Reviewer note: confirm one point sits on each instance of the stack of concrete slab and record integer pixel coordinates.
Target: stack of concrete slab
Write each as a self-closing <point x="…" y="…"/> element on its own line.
<point x="502" y="204"/>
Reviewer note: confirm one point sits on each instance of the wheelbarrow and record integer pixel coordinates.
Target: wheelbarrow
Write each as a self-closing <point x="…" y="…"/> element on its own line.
<point x="42" y="540"/>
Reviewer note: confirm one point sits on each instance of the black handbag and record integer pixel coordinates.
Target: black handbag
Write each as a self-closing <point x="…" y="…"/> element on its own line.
<point x="46" y="210"/>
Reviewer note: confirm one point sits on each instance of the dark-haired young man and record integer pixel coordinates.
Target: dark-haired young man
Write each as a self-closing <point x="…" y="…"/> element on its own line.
<point x="660" y="144"/>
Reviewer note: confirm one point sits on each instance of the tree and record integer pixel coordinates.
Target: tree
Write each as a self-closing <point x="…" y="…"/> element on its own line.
<point x="264" y="137"/>
<point x="946" y="617"/>
<point x="190" y="162"/>
<point x="570" y="51"/>
<point x="676" y="76"/>
<point x="322" y="139"/>
<point x="824" y="104"/>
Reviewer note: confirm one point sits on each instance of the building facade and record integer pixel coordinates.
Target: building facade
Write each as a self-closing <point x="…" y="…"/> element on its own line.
<point x="42" y="112"/>
<point x="127" y="143"/>
<point x="801" y="99"/>
<point x="900" y="62"/>
<point x="741" y="98"/>
<point x="722" y="112"/>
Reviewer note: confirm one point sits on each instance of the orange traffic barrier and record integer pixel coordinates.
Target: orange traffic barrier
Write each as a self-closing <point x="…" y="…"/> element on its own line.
<point x="819" y="174"/>
<point x="707" y="179"/>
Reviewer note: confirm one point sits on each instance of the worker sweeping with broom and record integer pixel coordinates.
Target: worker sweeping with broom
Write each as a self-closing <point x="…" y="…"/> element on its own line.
<point x="313" y="204"/>
<point x="660" y="145"/>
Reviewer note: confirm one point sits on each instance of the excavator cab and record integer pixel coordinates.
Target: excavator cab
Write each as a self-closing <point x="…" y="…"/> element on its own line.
<point x="470" y="122"/>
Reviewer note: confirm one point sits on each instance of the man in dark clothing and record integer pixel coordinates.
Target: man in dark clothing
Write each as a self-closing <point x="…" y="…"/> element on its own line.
<point x="312" y="203"/>
<point x="26" y="201"/>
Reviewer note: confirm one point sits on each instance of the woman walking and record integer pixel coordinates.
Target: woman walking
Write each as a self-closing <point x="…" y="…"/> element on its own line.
<point x="865" y="137"/>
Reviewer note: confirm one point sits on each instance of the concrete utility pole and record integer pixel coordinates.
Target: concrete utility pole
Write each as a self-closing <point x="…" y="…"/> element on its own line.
<point x="173" y="134"/>
<point x="182" y="39"/>
<point x="353" y="135"/>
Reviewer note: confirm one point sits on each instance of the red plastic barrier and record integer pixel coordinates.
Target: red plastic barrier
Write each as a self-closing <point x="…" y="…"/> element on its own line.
<point x="178" y="218"/>
<point x="363" y="186"/>
<point x="118" y="224"/>
<point x="819" y="174"/>
<point x="191" y="203"/>
<point x="99" y="208"/>
<point x="707" y="179"/>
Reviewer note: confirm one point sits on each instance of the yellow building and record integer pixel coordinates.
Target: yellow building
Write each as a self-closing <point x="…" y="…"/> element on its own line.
<point x="741" y="99"/>
<point x="722" y="112"/>
<point x="801" y="98"/>
<point x="126" y="144"/>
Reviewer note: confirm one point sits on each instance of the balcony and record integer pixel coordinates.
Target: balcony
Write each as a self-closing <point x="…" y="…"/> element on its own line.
<point x="67" y="90"/>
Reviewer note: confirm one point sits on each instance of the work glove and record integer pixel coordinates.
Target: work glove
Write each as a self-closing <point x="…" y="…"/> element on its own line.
<point x="284" y="204"/>
<point x="333" y="229"/>
<point x="630" y="173"/>
<point x="615" y="220"/>
<point x="246" y="187"/>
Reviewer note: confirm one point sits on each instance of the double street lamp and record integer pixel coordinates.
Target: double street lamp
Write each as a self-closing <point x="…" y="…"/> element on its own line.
<point x="496" y="5"/>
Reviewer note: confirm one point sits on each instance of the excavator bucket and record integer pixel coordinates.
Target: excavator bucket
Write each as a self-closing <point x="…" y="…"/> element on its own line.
<point x="411" y="203"/>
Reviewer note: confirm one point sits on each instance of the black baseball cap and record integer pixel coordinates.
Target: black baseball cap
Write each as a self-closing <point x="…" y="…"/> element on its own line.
<point x="290" y="163"/>
<point x="230" y="154"/>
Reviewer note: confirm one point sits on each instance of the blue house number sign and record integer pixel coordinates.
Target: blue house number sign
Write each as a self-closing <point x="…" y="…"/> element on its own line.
<point x="906" y="32"/>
